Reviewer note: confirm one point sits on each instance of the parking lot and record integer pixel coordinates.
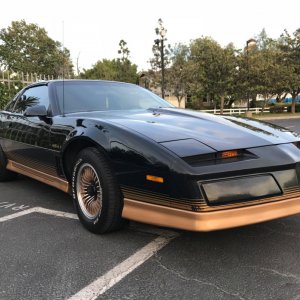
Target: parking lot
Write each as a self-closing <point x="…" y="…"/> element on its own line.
<point x="45" y="253"/>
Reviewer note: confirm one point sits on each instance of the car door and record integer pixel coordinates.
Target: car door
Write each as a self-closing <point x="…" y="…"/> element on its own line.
<point x="26" y="139"/>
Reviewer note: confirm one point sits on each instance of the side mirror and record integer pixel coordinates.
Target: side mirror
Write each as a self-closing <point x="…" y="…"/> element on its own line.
<point x="36" y="111"/>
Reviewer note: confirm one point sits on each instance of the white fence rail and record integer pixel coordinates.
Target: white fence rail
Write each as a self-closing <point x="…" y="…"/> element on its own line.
<point x="238" y="111"/>
<point x="10" y="78"/>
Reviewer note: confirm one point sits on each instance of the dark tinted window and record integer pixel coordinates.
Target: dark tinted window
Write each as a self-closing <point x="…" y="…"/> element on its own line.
<point x="37" y="95"/>
<point x="82" y="96"/>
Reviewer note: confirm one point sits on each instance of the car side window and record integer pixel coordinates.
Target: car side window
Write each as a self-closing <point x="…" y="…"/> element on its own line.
<point x="37" y="95"/>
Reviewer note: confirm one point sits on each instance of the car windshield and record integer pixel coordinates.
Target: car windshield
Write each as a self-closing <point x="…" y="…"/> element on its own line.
<point x="81" y="96"/>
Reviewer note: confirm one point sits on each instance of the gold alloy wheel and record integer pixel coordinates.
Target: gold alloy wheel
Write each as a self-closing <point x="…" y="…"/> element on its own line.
<point x="89" y="191"/>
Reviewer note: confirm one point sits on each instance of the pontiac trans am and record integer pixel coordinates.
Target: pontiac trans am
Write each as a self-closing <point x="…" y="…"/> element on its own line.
<point x="123" y="153"/>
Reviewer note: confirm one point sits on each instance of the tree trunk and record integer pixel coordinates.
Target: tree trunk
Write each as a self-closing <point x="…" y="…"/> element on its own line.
<point x="263" y="106"/>
<point x="281" y="97"/>
<point x="293" y="110"/>
<point x="222" y="104"/>
<point x="179" y="99"/>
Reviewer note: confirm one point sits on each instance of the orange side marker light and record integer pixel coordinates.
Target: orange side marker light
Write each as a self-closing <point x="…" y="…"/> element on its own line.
<point x="155" y="178"/>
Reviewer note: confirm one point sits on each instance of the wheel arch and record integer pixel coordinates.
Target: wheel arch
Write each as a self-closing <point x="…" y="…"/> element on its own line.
<point x="72" y="149"/>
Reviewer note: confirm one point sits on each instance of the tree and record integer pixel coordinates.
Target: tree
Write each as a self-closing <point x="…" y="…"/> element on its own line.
<point x="290" y="47"/>
<point x="213" y="67"/>
<point x="262" y="40"/>
<point x="4" y="94"/>
<point x="161" y="55"/>
<point x="261" y="70"/>
<point x="252" y="73"/>
<point x="265" y="73"/>
<point x="120" y="69"/>
<point x="178" y="73"/>
<point x="126" y="71"/>
<point x="28" y="48"/>
<point x="103" y="69"/>
<point x="124" y="51"/>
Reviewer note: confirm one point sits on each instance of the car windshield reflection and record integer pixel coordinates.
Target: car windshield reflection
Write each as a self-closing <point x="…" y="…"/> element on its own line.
<point x="105" y="96"/>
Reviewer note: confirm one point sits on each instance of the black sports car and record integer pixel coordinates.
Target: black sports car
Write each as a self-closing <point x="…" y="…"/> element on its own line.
<point x="124" y="153"/>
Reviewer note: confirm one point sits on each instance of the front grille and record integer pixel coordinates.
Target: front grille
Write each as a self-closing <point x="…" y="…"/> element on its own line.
<point x="200" y="205"/>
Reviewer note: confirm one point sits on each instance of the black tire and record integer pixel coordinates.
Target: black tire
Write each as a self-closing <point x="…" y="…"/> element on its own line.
<point x="5" y="175"/>
<point x="97" y="196"/>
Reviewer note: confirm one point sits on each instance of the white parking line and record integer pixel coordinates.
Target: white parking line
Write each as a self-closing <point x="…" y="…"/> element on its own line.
<point x="56" y="213"/>
<point x="112" y="277"/>
<point x="18" y="214"/>
<point x="108" y="280"/>
<point x="39" y="210"/>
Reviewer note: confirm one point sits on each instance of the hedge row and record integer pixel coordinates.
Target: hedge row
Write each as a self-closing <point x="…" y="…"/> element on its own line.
<point x="279" y="108"/>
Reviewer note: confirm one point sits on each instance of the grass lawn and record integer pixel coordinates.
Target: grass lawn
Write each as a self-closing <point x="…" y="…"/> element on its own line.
<point x="276" y="115"/>
<point x="267" y="115"/>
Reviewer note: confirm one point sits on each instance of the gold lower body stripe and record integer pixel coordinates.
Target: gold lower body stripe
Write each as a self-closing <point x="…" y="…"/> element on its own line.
<point x="38" y="175"/>
<point x="208" y="221"/>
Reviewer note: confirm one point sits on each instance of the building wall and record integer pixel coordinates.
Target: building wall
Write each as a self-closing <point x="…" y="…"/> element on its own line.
<point x="173" y="100"/>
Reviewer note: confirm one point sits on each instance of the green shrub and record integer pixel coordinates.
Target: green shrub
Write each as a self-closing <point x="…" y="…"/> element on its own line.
<point x="4" y="95"/>
<point x="259" y="104"/>
<point x="276" y="109"/>
<point x="195" y="103"/>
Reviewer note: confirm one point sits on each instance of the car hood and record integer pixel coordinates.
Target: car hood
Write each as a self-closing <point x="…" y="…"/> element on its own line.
<point x="219" y="133"/>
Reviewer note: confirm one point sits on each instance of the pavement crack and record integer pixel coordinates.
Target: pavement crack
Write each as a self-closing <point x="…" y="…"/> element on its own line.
<point x="203" y="282"/>
<point x="287" y="275"/>
<point x="276" y="272"/>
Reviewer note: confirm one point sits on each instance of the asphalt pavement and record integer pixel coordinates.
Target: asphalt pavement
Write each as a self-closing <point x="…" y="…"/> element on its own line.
<point x="45" y="253"/>
<point x="291" y="124"/>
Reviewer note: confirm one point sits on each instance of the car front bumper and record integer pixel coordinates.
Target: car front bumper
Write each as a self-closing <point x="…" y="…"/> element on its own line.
<point x="208" y="221"/>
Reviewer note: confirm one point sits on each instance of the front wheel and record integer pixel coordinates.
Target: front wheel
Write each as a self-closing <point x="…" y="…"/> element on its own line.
<point x="96" y="194"/>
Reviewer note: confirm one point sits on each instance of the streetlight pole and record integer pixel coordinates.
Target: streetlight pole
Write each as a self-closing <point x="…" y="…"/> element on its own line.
<point x="251" y="43"/>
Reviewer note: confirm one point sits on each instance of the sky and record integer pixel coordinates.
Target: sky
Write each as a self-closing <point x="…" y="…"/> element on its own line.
<point x="92" y="29"/>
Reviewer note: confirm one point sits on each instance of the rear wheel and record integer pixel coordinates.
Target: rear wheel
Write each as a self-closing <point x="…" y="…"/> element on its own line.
<point x="96" y="194"/>
<point x="5" y="175"/>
